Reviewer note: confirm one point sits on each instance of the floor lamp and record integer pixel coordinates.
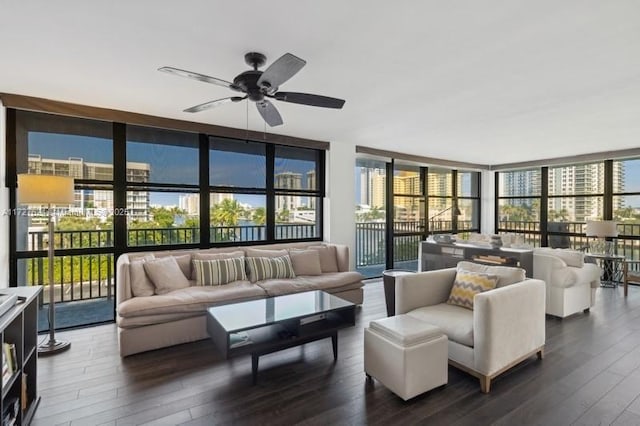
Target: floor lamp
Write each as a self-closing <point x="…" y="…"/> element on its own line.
<point x="49" y="190"/>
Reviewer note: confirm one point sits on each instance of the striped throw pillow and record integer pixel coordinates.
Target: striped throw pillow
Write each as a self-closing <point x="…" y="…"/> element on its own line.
<point x="264" y="268"/>
<point x="219" y="271"/>
<point x="467" y="285"/>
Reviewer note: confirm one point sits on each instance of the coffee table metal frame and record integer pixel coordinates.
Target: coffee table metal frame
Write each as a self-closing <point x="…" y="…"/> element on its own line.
<point x="279" y="330"/>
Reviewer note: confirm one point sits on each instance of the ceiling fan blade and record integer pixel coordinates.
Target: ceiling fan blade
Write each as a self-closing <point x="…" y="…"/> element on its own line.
<point x="309" y="99"/>
<point x="269" y="112"/>
<point x="212" y="104"/>
<point x="280" y="71"/>
<point x="200" y="77"/>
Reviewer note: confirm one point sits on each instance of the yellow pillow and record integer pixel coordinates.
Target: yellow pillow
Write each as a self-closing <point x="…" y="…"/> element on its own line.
<point x="467" y="285"/>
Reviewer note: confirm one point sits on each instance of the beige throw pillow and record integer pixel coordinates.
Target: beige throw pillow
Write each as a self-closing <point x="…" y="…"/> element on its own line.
<point x="184" y="262"/>
<point x="140" y="283"/>
<point x="328" y="258"/>
<point x="166" y="275"/>
<point x="306" y="262"/>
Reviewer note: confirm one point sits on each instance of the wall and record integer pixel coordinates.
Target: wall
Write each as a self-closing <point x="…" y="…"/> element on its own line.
<point x="4" y="205"/>
<point x="339" y="213"/>
<point x="487" y="211"/>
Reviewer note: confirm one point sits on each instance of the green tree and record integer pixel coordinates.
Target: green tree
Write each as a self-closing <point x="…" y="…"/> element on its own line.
<point x="226" y="213"/>
<point x="259" y="216"/>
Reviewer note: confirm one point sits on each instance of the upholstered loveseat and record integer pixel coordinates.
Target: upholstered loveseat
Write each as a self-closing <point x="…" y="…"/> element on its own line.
<point x="160" y="304"/>
<point x="505" y="326"/>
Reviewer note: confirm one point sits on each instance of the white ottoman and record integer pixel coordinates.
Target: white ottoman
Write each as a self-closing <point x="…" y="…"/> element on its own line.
<point x="405" y="354"/>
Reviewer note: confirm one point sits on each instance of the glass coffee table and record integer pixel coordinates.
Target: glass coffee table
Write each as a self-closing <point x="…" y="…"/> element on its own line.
<point x="260" y="327"/>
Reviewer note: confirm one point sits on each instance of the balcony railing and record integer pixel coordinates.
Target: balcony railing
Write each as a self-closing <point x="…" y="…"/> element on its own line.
<point x="80" y="277"/>
<point x="91" y="276"/>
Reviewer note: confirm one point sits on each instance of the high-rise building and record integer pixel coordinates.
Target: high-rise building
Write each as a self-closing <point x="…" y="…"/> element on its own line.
<point x="97" y="199"/>
<point x="190" y="203"/>
<point x="288" y="180"/>
<point x="311" y="184"/>
<point x="573" y="180"/>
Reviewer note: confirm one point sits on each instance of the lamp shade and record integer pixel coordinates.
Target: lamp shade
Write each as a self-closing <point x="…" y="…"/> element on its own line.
<point x="602" y="228"/>
<point x="45" y="189"/>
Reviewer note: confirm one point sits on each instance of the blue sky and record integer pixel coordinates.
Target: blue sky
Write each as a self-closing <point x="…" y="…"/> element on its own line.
<point x="170" y="164"/>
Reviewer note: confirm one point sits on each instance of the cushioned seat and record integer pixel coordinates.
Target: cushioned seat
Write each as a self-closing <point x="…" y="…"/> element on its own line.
<point x="505" y="326"/>
<point x="190" y="299"/>
<point x="405" y="354"/>
<point x="455" y="322"/>
<point x="333" y="280"/>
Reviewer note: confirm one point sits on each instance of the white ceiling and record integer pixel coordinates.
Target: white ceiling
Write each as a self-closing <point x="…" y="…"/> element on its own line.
<point x="492" y="81"/>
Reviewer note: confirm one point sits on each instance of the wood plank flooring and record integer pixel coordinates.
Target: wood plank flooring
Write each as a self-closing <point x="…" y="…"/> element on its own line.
<point x="590" y="376"/>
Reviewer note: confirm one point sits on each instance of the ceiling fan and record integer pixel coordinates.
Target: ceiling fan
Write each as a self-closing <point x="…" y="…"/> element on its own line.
<point x="260" y="86"/>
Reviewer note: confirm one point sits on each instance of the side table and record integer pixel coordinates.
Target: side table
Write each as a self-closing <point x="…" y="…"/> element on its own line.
<point x="612" y="266"/>
<point x="389" y="281"/>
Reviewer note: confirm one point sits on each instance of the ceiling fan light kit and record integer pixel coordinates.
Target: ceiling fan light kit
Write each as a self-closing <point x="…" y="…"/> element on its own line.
<point x="260" y="86"/>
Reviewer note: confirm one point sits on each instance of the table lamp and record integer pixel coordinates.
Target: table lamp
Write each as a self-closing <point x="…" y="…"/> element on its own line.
<point x="602" y="229"/>
<point x="47" y="190"/>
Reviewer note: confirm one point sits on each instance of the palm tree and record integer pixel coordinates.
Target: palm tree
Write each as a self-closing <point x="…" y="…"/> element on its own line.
<point x="226" y="213"/>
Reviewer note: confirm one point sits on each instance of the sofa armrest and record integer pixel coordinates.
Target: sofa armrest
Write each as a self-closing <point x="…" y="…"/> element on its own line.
<point x="423" y="289"/>
<point x="508" y="323"/>
<point x="342" y="256"/>
<point x="553" y="271"/>
<point x="123" y="279"/>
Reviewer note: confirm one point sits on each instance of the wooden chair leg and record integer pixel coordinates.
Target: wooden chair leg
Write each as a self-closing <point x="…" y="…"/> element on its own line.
<point x="540" y="354"/>
<point x="485" y="384"/>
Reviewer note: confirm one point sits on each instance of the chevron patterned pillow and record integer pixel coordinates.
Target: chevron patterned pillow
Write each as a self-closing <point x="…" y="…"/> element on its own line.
<point x="467" y="285"/>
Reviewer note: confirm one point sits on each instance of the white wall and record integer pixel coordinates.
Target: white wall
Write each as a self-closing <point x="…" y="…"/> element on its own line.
<point x="4" y="205"/>
<point x="340" y="225"/>
<point x="487" y="221"/>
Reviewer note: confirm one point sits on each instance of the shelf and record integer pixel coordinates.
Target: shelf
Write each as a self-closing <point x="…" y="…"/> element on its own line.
<point x="12" y="380"/>
<point x="19" y="327"/>
<point x="27" y="415"/>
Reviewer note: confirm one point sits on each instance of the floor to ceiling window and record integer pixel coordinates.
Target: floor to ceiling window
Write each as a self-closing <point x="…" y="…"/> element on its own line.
<point x="370" y="216"/>
<point x="392" y="218"/>
<point x="551" y="205"/>
<point x="142" y="188"/>
<point x="83" y="268"/>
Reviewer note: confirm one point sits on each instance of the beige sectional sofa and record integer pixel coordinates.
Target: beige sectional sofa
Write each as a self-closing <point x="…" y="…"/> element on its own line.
<point x="152" y="315"/>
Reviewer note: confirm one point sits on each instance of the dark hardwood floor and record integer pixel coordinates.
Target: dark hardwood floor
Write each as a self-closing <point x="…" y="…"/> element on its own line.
<point x="590" y="376"/>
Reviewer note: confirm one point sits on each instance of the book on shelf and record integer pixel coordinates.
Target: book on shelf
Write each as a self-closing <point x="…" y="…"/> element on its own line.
<point x="239" y="339"/>
<point x="9" y="352"/>
<point x="23" y="393"/>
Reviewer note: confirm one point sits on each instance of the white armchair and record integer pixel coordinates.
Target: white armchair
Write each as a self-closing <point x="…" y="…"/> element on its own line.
<point x="570" y="282"/>
<point x="506" y="326"/>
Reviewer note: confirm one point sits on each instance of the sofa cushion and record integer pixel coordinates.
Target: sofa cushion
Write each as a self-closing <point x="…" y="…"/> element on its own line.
<point x="212" y="255"/>
<point x="507" y="275"/>
<point x="455" y="322"/>
<point x="251" y="252"/>
<point x="467" y="284"/>
<point x="184" y="262"/>
<point x="328" y="258"/>
<point x="305" y="262"/>
<point x="264" y="268"/>
<point x="219" y="271"/>
<point x="140" y="283"/>
<point x="190" y="299"/>
<point x="166" y="275"/>
<point x="326" y="282"/>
